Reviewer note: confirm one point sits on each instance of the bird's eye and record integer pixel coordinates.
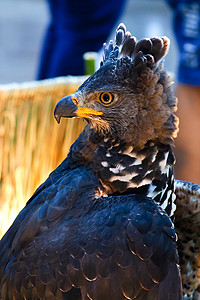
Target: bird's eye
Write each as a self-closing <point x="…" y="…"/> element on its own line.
<point x="106" y="98"/>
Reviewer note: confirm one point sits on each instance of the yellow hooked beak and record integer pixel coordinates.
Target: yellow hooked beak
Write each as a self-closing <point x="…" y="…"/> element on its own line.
<point x="67" y="108"/>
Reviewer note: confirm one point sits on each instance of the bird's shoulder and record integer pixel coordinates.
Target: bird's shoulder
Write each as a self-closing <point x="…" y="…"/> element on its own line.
<point x="48" y="205"/>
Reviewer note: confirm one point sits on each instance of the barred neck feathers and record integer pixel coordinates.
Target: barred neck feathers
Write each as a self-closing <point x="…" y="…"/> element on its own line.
<point x="122" y="169"/>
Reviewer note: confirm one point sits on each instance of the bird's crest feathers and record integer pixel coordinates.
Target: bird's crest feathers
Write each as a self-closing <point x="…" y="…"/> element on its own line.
<point x="144" y="52"/>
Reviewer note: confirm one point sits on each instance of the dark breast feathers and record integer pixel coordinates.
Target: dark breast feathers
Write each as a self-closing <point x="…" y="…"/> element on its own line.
<point x="100" y="227"/>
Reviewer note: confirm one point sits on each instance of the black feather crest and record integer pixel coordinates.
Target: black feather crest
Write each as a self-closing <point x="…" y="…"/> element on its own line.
<point x="144" y="52"/>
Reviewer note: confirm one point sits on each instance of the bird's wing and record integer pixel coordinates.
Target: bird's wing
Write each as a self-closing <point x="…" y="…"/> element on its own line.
<point x="44" y="192"/>
<point x="50" y="196"/>
<point x="119" y="247"/>
<point x="187" y="225"/>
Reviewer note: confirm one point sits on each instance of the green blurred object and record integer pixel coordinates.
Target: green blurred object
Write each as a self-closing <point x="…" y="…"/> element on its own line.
<point x="89" y="62"/>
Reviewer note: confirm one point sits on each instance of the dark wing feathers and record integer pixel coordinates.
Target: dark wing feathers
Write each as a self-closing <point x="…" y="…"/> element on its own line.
<point x="10" y="239"/>
<point x="103" y="252"/>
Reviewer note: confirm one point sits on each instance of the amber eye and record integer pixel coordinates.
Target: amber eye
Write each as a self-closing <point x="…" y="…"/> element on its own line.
<point x="106" y="98"/>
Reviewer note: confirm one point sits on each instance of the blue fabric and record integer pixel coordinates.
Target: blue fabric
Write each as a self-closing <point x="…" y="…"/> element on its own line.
<point x="80" y="26"/>
<point x="186" y="26"/>
<point x="75" y="28"/>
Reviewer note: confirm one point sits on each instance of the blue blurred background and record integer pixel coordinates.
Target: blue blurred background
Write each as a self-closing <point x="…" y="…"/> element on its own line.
<point x="23" y="24"/>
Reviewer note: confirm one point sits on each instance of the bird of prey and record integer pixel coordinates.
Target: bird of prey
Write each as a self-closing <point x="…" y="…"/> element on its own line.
<point x="101" y="226"/>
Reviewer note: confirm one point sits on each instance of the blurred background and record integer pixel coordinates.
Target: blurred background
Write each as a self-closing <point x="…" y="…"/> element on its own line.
<point x="31" y="142"/>
<point x="23" y="24"/>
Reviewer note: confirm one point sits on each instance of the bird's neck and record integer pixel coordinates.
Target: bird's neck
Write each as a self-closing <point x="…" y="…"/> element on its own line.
<point x="149" y="171"/>
<point x="122" y="169"/>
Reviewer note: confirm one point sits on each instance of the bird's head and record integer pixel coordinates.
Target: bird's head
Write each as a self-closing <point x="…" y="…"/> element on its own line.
<point x="129" y="97"/>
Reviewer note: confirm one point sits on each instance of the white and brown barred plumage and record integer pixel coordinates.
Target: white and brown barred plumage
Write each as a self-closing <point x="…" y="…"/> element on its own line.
<point x="100" y="226"/>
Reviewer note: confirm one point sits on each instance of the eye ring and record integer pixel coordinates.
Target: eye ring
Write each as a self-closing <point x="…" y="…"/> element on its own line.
<point x="106" y="98"/>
